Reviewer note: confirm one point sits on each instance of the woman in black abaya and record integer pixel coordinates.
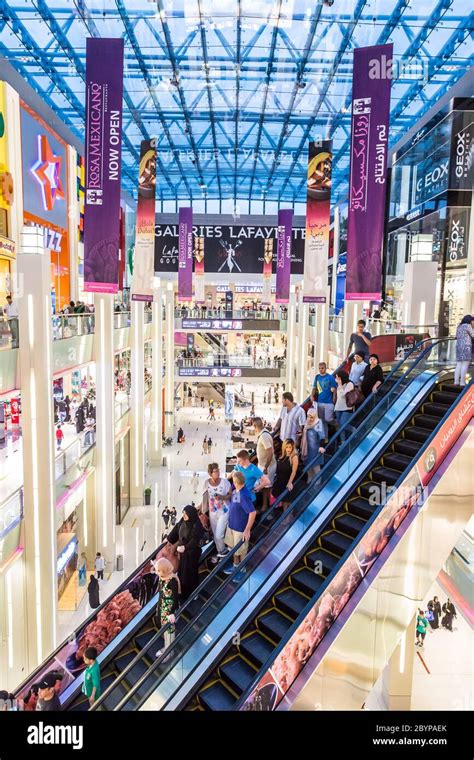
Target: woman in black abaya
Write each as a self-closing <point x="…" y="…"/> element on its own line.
<point x="187" y="534"/>
<point x="434" y="607"/>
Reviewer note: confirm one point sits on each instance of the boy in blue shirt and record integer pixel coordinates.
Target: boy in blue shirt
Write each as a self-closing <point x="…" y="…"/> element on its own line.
<point x="326" y="386"/>
<point x="241" y="519"/>
<point x="250" y="471"/>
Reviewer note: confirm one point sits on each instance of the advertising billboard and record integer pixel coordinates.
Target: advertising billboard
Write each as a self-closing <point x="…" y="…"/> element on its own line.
<point x="143" y="258"/>
<point x="318" y="204"/>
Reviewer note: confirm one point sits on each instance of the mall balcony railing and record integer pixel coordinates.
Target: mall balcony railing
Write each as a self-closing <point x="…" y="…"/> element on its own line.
<point x="273" y="312"/>
<point x="232" y="360"/>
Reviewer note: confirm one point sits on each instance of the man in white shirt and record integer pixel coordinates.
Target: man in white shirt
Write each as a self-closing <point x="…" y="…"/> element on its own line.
<point x="265" y="458"/>
<point x="99" y="564"/>
<point x="357" y="370"/>
<point x="11" y="310"/>
<point x="215" y="503"/>
<point x="291" y="421"/>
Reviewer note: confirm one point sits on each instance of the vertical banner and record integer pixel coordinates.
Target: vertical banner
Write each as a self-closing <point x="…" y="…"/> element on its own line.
<point x="199" y="292"/>
<point x="229" y="304"/>
<point x="144" y="256"/>
<point x="185" y="255"/>
<point x="368" y="171"/>
<point x="104" y="84"/>
<point x="267" y="272"/>
<point x="318" y="212"/>
<point x="283" y="267"/>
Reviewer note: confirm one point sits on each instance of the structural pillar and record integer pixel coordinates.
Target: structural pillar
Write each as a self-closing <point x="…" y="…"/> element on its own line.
<point x="137" y="411"/>
<point x="156" y="427"/>
<point x="397" y="679"/>
<point x="302" y="349"/>
<point x="169" y="385"/>
<point x="321" y="332"/>
<point x="291" y="344"/>
<point x="34" y="306"/>
<point x="352" y="314"/>
<point x="105" y="427"/>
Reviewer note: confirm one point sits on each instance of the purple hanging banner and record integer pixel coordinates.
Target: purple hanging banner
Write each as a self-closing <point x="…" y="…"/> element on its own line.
<point x="283" y="267"/>
<point x="104" y="84"/>
<point x="372" y="79"/>
<point x="185" y="255"/>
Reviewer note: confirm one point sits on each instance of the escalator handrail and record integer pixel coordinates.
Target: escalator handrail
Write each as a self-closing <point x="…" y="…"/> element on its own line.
<point x="311" y="602"/>
<point x="160" y="633"/>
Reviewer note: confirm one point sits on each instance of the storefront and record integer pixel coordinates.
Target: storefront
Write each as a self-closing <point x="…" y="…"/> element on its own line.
<point x="122" y="477"/>
<point x="426" y="263"/>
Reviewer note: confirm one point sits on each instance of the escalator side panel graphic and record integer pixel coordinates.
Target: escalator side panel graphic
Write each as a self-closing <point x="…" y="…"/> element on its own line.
<point x="302" y="644"/>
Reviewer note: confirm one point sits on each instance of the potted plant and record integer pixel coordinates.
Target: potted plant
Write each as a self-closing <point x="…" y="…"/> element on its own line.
<point x="148" y="495"/>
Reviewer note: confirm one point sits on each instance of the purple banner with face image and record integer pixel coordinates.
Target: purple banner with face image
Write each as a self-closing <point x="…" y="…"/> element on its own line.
<point x="283" y="267"/>
<point x="372" y="80"/>
<point x="185" y="255"/>
<point x="104" y="84"/>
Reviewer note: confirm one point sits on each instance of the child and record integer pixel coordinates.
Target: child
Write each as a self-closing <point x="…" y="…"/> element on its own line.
<point x="59" y="437"/>
<point x="91" y="685"/>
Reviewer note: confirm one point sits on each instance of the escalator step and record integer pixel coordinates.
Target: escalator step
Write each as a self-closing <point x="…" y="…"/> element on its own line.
<point x="328" y="561"/>
<point x="237" y="673"/>
<point x="256" y="648"/>
<point x="122" y="661"/>
<point x="291" y="602"/>
<point x="349" y="524"/>
<point x="454" y="390"/>
<point x="426" y="421"/>
<point x="216" y="697"/>
<point x="414" y="433"/>
<point x="143" y="638"/>
<point x="385" y="475"/>
<point x="409" y="448"/>
<point x="335" y="542"/>
<point x="194" y="608"/>
<point x="436" y="410"/>
<point x="273" y="624"/>
<point x="115" y="697"/>
<point x="440" y="397"/>
<point x="212" y="585"/>
<point x="306" y="580"/>
<point x="81" y="706"/>
<point x="397" y="462"/>
<point x="361" y="508"/>
<point x="366" y="489"/>
<point x="139" y="669"/>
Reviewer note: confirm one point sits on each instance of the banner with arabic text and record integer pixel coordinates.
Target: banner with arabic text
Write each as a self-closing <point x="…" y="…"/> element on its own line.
<point x="199" y="290"/>
<point x="144" y="255"/>
<point x="318" y="219"/>
<point x="283" y="267"/>
<point x="185" y="255"/>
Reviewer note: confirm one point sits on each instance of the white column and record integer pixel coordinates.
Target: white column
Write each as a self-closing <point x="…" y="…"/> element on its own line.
<point x="137" y="403"/>
<point x="352" y="314"/>
<point x="169" y="384"/>
<point x="321" y="332"/>
<point x="105" y="426"/>
<point x="156" y="427"/>
<point x="291" y="344"/>
<point x="72" y="223"/>
<point x="34" y="305"/>
<point x="302" y="350"/>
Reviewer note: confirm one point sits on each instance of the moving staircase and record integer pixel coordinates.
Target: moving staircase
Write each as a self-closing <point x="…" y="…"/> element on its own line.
<point x="239" y="666"/>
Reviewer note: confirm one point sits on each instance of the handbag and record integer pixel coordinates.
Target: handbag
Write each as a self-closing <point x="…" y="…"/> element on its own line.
<point x="169" y="552"/>
<point x="354" y="397"/>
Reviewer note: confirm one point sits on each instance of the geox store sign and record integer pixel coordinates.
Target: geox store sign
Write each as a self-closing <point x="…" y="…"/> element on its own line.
<point x="457" y="238"/>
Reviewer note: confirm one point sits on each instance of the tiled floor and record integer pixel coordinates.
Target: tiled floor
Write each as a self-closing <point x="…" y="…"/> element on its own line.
<point x="143" y="527"/>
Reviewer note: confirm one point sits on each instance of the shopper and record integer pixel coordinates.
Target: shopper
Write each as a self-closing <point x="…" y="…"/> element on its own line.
<point x="326" y="386"/>
<point x="361" y="340"/>
<point x="82" y="569"/>
<point x="434" y="607"/>
<point x="241" y="519"/>
<point x="215" y="503"/>
<point x="372" y="378"/>
<point x="180" y="436"/>
<point x="291" y="420"/>
<point x="250" y="471"/>
<point x="11" y="311"/>
<point x="287" y="468"/>
<point x="357" y="369"/>
<point x="99" y="565"/>
<point x="7" y="701"/>
<point x="48" y="700"/>
<point x="265" y="458"/>
<point x="166" y="516"/>
<point x="211" y="416"/>
<point x="421" y="626"/>
<point x="91" y="686"/>
<point x="464" y="338"/>
<point x="93" y="591"/>
<point x="202" y="402"/>
<point x="188" y="534"/>
<point x="342" y="409"/>
<point x="209" y="445"/>
<point x="195" y="482"/>
<point x="449" y="614"/>
<point x="204" y="445"/>
<point x="59" y="437"/>
<point x="311" y="442"/>
<point x="173" y="515"/>
<point x="168" y="600"/>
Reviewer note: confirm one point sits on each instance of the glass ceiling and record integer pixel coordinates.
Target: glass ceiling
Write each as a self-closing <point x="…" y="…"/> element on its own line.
<point x="235" y="89"/>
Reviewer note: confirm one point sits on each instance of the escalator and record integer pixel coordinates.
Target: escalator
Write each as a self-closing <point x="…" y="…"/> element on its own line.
<point x="238" y="666"/>
<point x="146" y="671"/>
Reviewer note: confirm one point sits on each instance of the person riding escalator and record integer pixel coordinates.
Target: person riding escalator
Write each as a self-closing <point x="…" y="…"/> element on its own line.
<point x="187" y="534"/>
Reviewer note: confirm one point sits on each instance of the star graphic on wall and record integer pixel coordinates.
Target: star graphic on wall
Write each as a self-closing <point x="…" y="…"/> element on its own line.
<point x="47" y="172"/>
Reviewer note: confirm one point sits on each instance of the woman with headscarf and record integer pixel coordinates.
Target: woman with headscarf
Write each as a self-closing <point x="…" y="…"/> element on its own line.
<point x="311" y="441"/>
<point x="434" y="606"/>
<point x="464" y="337"/>
<point x="168" y="601"/>
<point x="93" y="591"/>
<point x="187" y="534"/>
